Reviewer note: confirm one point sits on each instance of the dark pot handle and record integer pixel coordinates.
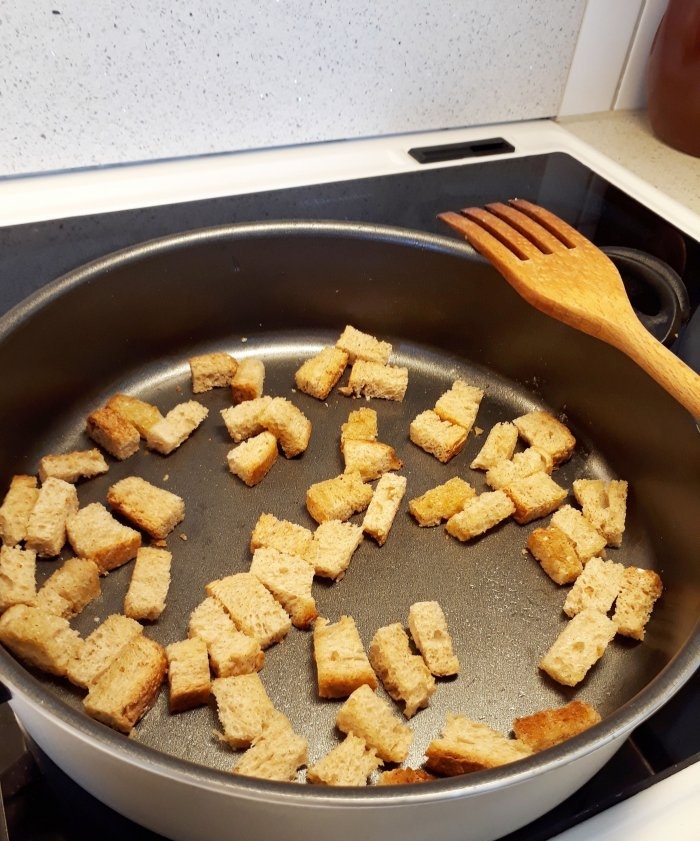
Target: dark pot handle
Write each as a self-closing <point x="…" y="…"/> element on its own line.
<point x="656" y="291"/>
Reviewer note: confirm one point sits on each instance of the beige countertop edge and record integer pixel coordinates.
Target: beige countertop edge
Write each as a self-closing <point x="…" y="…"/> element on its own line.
<point x="626" y="138"/>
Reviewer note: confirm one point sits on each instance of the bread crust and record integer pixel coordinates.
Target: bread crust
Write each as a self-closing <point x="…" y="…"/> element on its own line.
<point x="547" y="728"/>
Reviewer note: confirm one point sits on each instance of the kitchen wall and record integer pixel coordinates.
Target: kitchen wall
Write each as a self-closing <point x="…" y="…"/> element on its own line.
<point x="113" y="81"/>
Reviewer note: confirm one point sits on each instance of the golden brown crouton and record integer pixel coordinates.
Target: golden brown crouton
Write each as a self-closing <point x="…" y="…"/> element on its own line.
<point x="639" y="592"/>
<point x="253" y="459"/>
<point x="578" y="647"/>
<point x="81" y="464"/>
<point x="211" y="370"/>
<point x="248" y="381"/>
<point x="546" y="728"/>
<point x="288" y="424"/>
<point x="465" y="745"/>
<point x="128" y="687"/>
<point x="341" y="662"/>
<point x="147" y="506"/>
<point x="542" y="430"/>
<point x="556" y="554"/>
<point x="480" y="514"/>
<point x="16" y="508"/>
<point x="138" y="412"/>
<point x="438" y="437"/>
<point x="442" y="502"/>
<point x="113" y="432"/>
<point x="338" y="498"/>
<point x="359" y="345"/>
<point x="318" y="375"/>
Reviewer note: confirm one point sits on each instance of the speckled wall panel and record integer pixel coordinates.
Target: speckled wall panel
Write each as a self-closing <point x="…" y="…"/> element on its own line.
<point x="111" y="81"/>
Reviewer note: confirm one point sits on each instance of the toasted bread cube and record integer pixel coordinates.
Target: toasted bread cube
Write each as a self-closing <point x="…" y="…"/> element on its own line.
<point x="361" y="425"/>
<point x="211" y="370"/>
<point x="253" y="609"/>
<point x="589" y="542"/>
<point x="521" y="465"/>
<point x="46" y="530"/>
<point x="138" y="412"/>
<point x="460" y="404"/>
<point x="288" y="424"/>
<point x="318" y="375"/>
<point x="149" y="584"/>
<point x="189" y="679"/>
<point x="248" y="381"/>
<point x="465" y="745"/>
<point x="80" y="464"/>
<point x="17" y="576"/>
<point x="176" y="427"/>
<point x="639" y="592"/>
<point x="542" y="430"/>
<point x="243" y="706"/>
<point x="350" y="763"/>
<point x="128" y="687"/>
<point x="596" y="588"/>
<point x="147" y="506"/>
<point x="334" y="543"/>
<point x="442" y="502"/>
<point x="276" y="753"/>
<point x="70" y="588"/>
<point x="289" y="579"/>
<point x="101" y="647"/>
<point x="578" y="647"/>
<point x="245" y="419"/>
<point x="428" y="626"/>
<point x="384" y="506"/>
<point x="113" y="432"/>
<point x="403" y="674"/>
<point x="547" y="728"/>
<point x="231" y="652"/>
<point x="253" y="459"/>
<point x="374" y="379"/>
<point x="39" y="638"/>
<point x="404" y="776"/>
<point x="440" y="438"/>
<point x="338" y="498"/>
<point x="499" y="446"/>
<point x="604" y="505"/>
<point x="94" y="533"/>
<point x="534" y="496"/>
<point x="480" y="514"/>
<point x="371" y="459"/>
<point x="341" y="662"/>
<point x="556" y="554"/>
<point x="370" y="717"/>
<point x="16" y="508"/>
<point x="282" y="535"/>
<point x="359" y="345"/>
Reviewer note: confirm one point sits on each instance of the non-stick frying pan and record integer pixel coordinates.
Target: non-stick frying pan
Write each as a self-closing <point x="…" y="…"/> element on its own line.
<point x="280" y="291"/>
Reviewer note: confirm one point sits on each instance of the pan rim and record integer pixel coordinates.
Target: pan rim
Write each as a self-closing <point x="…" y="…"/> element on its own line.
<point x="620" y="723"/>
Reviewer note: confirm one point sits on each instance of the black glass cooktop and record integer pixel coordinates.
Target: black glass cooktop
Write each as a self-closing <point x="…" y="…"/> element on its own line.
<point x="41" y="803"/>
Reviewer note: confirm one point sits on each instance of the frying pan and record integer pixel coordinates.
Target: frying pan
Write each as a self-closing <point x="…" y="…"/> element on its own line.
<point x="281" y="291"/>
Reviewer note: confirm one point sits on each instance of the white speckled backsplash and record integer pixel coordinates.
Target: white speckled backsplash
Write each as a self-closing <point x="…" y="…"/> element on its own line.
<point x="111" y="81"/>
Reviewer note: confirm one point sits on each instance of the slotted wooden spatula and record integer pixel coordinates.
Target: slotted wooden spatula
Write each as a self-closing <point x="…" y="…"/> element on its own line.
<point x="557" y="270"/>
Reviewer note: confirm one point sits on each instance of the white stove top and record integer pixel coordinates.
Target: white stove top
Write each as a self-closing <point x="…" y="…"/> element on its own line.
<point x="82" y="192"/>
<point x="670" y="808"/>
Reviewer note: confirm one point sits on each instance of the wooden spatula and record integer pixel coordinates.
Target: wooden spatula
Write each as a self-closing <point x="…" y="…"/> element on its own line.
<point x="557" y="270"/>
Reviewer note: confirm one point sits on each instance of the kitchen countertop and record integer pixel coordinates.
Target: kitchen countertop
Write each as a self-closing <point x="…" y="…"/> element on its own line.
<point x="626" y="137"/>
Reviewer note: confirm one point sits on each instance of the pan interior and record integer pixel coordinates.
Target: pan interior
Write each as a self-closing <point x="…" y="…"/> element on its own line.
<point x="502" y="610"/>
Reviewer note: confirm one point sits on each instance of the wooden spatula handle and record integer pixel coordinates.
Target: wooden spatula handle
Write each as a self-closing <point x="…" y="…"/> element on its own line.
<point x="670" y="372"/>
